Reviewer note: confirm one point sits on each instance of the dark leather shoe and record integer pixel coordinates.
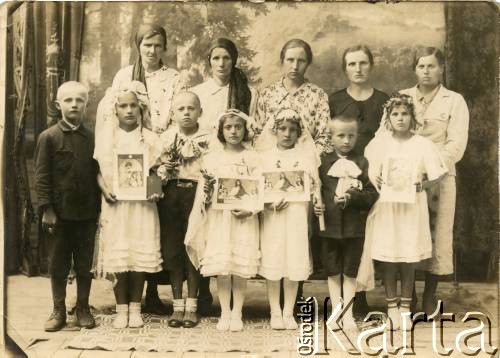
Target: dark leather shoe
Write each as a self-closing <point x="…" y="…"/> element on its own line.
<point x="176" y="319"/>
<point x="190" y="320"/>
<point x="84" y="318"/>
<point x="57" y="320"/>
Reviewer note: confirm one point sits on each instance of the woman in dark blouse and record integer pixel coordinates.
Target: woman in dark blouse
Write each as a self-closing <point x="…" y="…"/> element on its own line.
<point x="359" y="99"/>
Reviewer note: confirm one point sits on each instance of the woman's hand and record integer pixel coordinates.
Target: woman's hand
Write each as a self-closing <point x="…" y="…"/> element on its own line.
<point x="109" y="196"/>
<point x="241" y="214"/>
<point x="280" y="205"/>
<point x="155" y="197"/>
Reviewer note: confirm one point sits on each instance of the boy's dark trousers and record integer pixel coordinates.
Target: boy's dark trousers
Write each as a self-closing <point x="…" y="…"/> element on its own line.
<point x="72" y="240"/>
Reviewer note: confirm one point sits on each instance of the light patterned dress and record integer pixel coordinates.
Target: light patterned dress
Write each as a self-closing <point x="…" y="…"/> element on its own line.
<point x="162" y="85"/>
<point x="309" y="100"/>
<point x="445" y="121"/>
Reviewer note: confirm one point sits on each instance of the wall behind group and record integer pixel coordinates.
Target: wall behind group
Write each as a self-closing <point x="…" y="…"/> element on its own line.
<point x="392" y="31"/>
<point x="466" y="31"/>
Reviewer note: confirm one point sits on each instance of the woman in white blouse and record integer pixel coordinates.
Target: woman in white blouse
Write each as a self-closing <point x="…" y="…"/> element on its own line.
<point x="227" y="86"/>
<point x="444" y="118"/>
<point x="161" y="82"/>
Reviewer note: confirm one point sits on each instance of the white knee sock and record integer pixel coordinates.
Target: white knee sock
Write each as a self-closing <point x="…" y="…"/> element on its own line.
<point x="290" y="290"/>
<point x="239" y="288"/>
<point x="273" y="294"/>
<point x="224" y="293"/>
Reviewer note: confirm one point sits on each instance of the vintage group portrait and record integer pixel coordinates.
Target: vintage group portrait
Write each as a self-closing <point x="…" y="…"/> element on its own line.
<point x="179" y="177"/>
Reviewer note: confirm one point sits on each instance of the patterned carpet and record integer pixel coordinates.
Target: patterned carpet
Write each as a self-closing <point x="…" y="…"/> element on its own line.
<point x="257" y="336"/>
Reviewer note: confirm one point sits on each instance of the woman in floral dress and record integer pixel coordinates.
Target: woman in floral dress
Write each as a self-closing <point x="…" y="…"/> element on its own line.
<point x="294" y="91"/>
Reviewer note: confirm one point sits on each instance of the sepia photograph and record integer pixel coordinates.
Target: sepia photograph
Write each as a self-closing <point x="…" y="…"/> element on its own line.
<point x="238" y="193"/>
<point x="399" y="176"/>
<point x="131" y="176"/>
<point x="291" y="185"/>
<point x="249" y="179"/>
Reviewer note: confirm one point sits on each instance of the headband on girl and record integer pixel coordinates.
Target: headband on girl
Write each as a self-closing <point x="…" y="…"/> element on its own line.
<point x="249" y="121"/>
<point x="398" y="99"/>
<point x="288" y="114"/>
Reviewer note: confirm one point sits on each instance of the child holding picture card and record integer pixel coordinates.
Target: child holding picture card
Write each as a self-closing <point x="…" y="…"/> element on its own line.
<point x="402" y="165"/>
<point x="290" y="166"/>
<point x="348" y="196"/>
<point x="129" y="232"/>
<point x="224" y="240"/>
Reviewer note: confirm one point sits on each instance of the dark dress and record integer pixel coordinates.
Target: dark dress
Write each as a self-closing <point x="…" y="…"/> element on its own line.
<point x="368" y="112"/>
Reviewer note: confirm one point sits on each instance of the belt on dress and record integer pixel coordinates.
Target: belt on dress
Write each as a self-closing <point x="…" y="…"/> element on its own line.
<point x="183" y="183"/>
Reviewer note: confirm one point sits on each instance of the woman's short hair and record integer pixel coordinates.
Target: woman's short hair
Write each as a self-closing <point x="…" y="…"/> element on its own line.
<point x="294" y="43"/>
<point x="220" y="129"/>
<point x="428" y="51"/>
<point x="356" y="48"/>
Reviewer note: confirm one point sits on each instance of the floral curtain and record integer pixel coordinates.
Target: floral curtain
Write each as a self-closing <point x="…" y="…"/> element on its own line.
<point x="44" y="50"/>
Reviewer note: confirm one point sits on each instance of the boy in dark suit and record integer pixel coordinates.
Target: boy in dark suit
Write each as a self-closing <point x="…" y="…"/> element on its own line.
<point x="348" y="196"/>
<point x="68" y="197"/>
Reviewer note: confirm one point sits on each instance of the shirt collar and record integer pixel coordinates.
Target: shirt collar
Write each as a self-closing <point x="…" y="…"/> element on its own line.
<point x="213" y="87"/>
<point x="66" y="126"/>
<point x="284" y="92"/>
<point x="427" y="98"/>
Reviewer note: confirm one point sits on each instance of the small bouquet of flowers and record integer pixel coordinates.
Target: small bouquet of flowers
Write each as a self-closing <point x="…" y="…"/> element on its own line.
<point x="180" y="152"/>
<point x="208" y="188"/>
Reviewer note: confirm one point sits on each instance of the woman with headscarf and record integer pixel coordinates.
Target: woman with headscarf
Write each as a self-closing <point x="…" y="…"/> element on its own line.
<point x="227" y="87"/>
<point x="161" y="82"/>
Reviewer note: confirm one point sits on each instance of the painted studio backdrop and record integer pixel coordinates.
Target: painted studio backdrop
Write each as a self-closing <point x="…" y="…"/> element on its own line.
<point x="92" y="41"/>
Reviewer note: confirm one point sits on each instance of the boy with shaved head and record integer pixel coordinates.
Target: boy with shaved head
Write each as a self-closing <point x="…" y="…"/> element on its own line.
<point x="184" y="144"/>
<point x="68" y="198"/>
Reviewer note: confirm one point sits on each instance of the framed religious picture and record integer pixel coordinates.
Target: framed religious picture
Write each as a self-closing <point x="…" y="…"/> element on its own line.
<point x="399" y="176"/>
<point x="130" y="173"/>
<point x="239" y="192"/>
<point x="290" y="185"/>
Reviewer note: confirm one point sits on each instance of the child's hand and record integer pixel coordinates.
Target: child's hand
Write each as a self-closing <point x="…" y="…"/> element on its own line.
<point x="282" y="204"/>
<point x="109" y="196"/>
<point x="318" y="209"/>
<point x="49" y="220"/>
<point x="170" y="165"/>
<point x="339" y="200"/>
<point x="424" y="185"/>
<point x="241" y="214"/>
<point x="155" y="197"/>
